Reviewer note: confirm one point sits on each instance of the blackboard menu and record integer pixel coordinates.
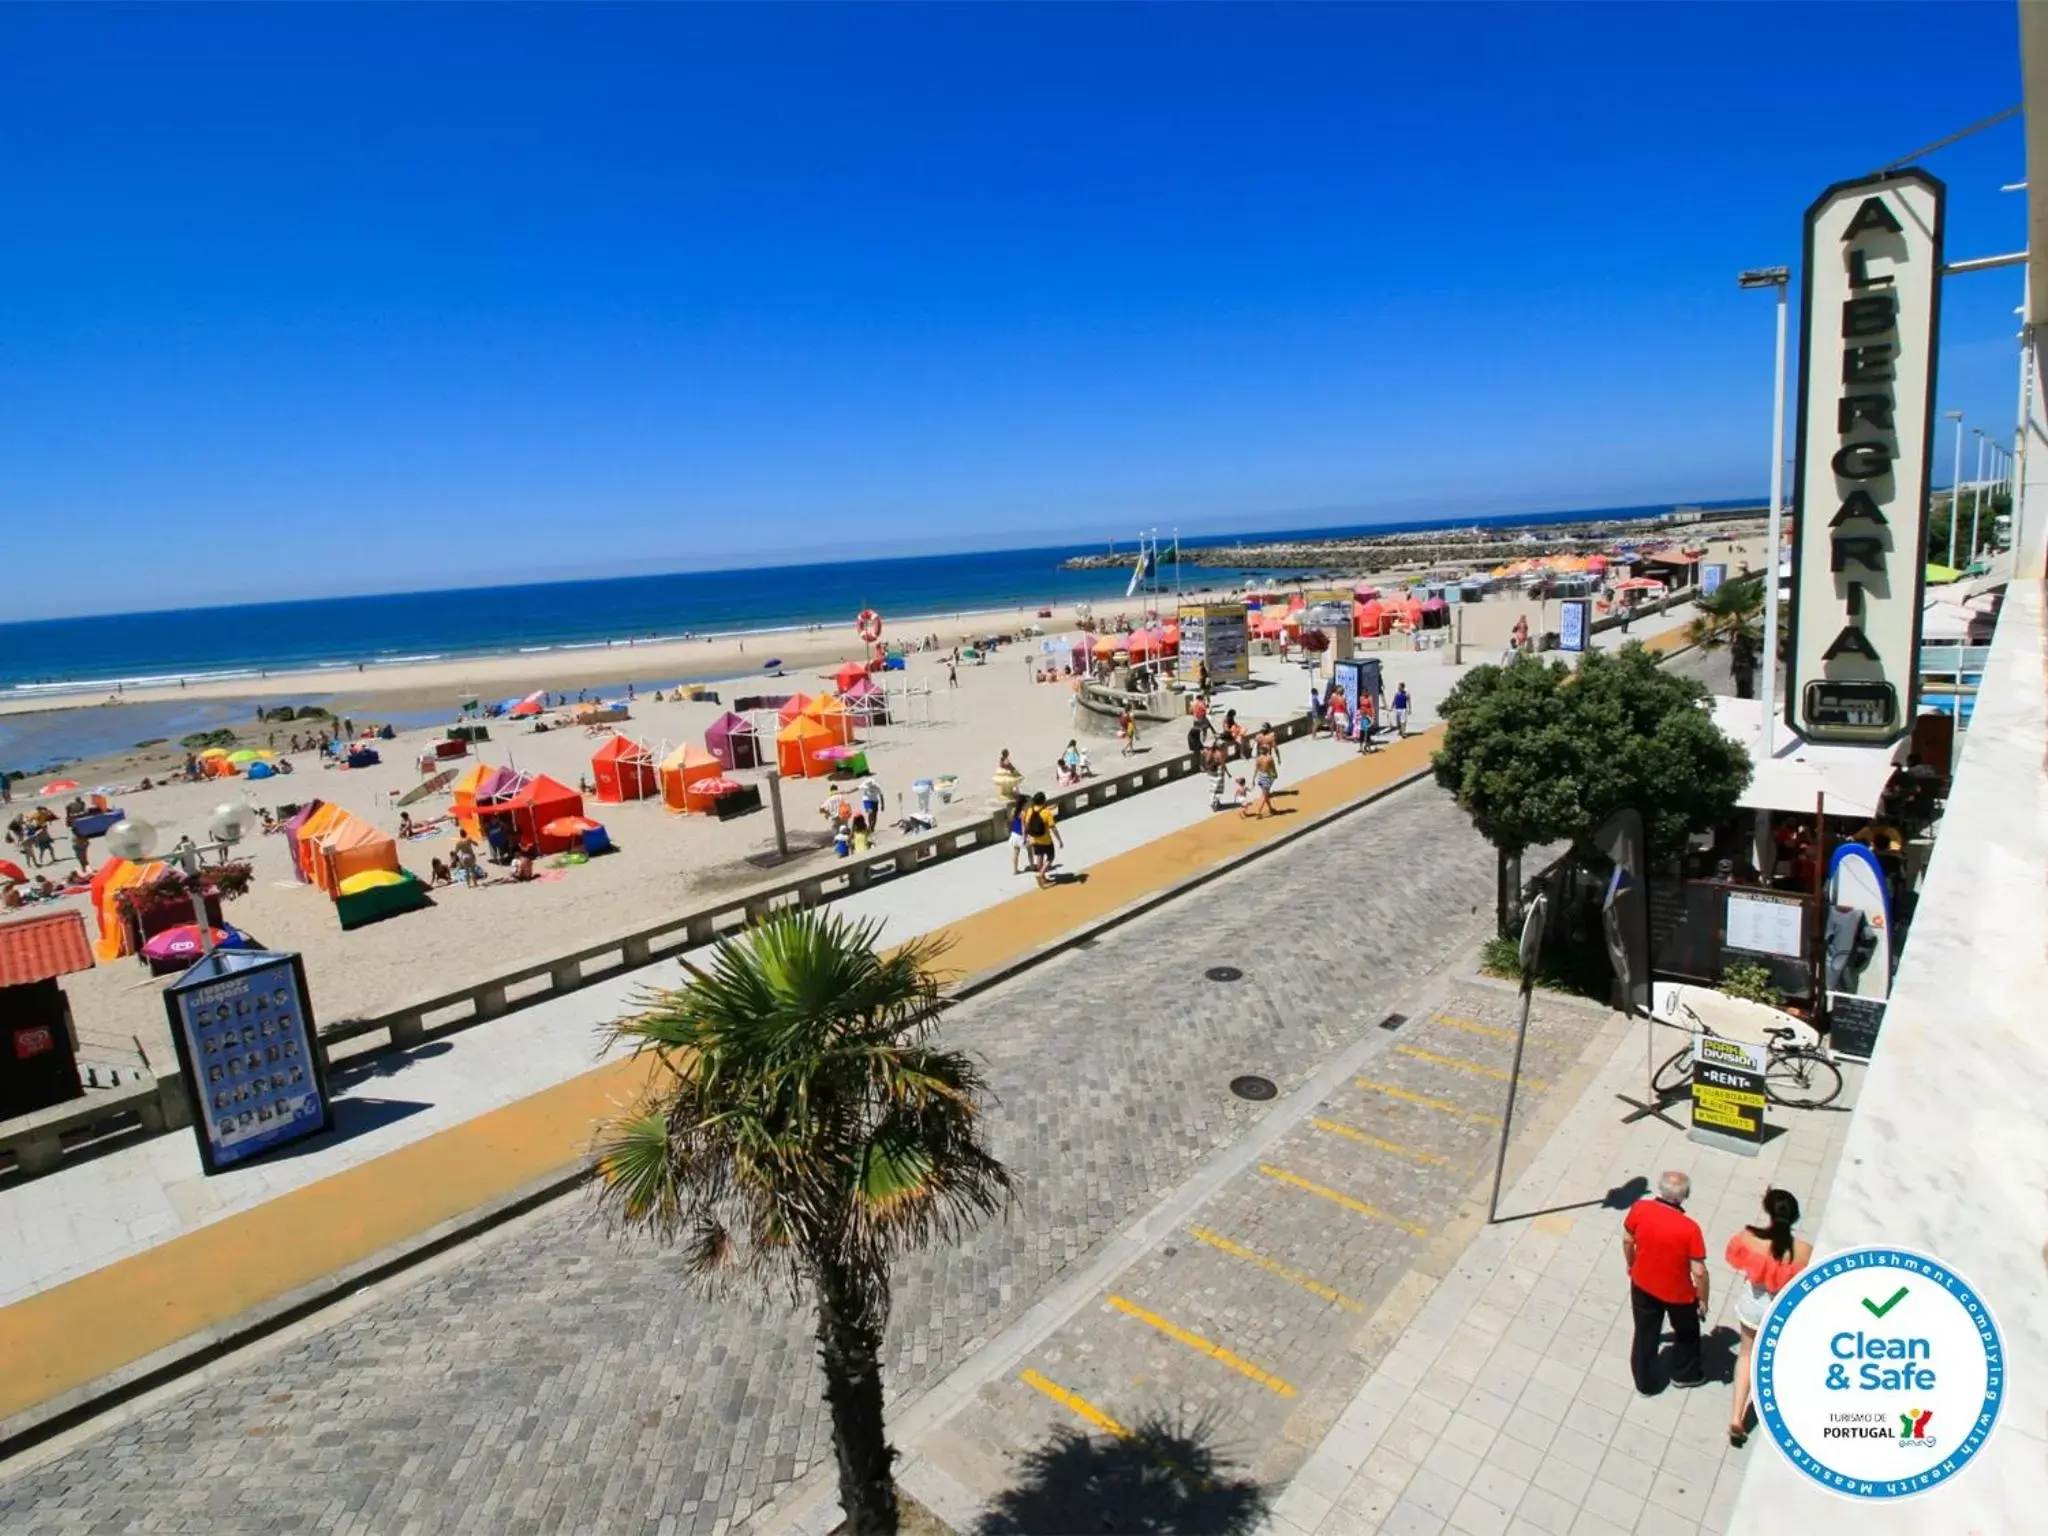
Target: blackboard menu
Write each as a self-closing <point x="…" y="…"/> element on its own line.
<point x="1853" y="1024"/>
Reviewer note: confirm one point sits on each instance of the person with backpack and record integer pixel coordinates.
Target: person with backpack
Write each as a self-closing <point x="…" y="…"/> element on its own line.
<point x="1041" y="834"/>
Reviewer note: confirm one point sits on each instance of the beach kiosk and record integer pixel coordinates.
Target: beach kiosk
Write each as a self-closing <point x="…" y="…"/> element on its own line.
<point x="38" y="1043"/>
<point x="623" y="770"/>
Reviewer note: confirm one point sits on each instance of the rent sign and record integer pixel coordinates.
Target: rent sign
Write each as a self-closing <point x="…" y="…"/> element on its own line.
<point x="1869" y="321"/>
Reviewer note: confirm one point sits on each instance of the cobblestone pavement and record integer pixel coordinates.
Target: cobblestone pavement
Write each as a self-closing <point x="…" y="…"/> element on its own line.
<point x="558" y="1378"/>
<point x="1251" y="1327"/>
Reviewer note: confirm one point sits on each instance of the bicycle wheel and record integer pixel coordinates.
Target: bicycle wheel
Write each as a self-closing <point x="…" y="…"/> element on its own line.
<point x="1802" y="1079"/>
<point x="1674" y="1078"/>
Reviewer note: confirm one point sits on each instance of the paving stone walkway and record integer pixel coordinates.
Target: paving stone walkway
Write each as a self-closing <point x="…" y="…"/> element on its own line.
<point x="558" y="1378"/>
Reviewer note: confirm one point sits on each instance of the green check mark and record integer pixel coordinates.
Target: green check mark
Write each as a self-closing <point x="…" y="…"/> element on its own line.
<point x="1879" y="1311"/>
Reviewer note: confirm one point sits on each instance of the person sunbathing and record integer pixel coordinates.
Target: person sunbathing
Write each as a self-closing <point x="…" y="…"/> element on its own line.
<point x="522" y="867"/>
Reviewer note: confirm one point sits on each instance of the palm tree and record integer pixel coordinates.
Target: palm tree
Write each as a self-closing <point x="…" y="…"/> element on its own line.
<point x="1731" y="617"/>
<point x="797" y="1127"/>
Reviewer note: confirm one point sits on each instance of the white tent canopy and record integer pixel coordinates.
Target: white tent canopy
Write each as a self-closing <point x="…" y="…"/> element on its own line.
<point x="1852" y="778"/>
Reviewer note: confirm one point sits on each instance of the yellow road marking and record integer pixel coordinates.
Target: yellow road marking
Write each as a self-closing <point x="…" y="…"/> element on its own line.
<point x="1458" y="1063"/>
<point x="1196" y="1342"/>
<point x="1474" y="1027"/>
<point x="1442" y="1106"/>
<point x="1352" y="1133"/>
<point x="1342" y="1199"/>
<point x="1077" y="1404"/>
<point x="1274" y="1267"/>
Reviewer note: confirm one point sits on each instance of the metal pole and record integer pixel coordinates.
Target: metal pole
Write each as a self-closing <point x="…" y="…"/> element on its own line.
<point x="1531" y="947"/>
<point x="775" y="807"/>
<point x="1769" y="700"/>
<point x="1955" y="490"/>
<point x="1977" y="493"/>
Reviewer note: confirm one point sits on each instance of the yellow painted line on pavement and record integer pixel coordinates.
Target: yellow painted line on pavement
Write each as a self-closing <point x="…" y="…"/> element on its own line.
<point x="1441" y="1106"/>
<point x="1352" y="1133"/>
<point x="1473" y="1026"/>
<point x="1340" y="1198"/>
<point x="1458" y="1063"/>
<point x="1201" y="1345"/>
<point x="1275" y="1268"/>
<point x="1076" y="1404"/>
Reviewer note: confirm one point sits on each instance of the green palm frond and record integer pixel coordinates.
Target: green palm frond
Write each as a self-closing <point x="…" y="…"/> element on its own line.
<point x="801" y="1121"/>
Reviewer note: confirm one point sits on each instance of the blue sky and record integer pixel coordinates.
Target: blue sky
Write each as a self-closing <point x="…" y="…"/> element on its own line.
<point x="451" y="294"/>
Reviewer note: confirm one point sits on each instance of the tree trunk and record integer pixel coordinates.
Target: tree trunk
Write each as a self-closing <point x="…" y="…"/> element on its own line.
<point x="849" y="1349"/>
<point x="1507" y="896"/>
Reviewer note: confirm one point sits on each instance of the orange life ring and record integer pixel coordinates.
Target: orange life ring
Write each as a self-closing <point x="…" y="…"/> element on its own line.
<point x="870" y="625"/>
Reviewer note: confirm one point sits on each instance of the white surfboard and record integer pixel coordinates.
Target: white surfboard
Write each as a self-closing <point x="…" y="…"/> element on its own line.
<point x="1856" y="879"/>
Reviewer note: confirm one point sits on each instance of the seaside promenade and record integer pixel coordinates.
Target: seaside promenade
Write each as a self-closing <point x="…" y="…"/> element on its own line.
<point x="447" y="1130"/>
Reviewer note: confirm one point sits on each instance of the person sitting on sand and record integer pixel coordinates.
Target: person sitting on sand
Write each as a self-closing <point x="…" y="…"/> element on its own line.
<point x="405" y="823"/>
<point x="522" y="867"/>
<point x="439" y="875"/>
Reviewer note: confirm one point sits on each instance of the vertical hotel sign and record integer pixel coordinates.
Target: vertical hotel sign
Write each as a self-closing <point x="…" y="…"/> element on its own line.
<point x="1869" y="320"/>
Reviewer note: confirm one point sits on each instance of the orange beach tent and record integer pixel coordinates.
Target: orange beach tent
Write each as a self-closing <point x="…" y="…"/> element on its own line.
<point x="112" y="878"/>
<point x="682" y="768"/>
<point x="623" y="770"/>
<point x="833" y="715"/>
<point x="797" y="746"/>
<point x="464" y="804"/>
<point x="348" y="845"/>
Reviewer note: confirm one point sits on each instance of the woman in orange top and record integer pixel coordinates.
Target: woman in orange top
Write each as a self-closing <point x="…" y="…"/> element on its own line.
<point x="1767" y="1258"/>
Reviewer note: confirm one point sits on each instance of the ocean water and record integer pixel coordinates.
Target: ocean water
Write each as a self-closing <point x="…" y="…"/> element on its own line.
<point x="63" y="658"/>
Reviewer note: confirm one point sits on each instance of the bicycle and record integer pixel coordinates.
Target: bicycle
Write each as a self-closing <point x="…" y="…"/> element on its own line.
<point x="1796" y="1076"/>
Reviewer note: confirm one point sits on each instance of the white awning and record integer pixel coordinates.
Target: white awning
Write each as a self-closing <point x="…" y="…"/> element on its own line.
<point x="1852" y="778"/>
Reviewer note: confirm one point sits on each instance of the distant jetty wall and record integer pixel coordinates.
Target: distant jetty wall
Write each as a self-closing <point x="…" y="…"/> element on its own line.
<point x="1470" y="547"/>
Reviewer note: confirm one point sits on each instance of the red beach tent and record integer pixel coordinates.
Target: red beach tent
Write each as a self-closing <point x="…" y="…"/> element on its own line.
<point x="623" y="770"/>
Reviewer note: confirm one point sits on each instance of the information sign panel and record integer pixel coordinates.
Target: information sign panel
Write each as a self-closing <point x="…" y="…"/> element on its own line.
<point x="1728" y="1093"/>
<point x="243" y="1027"/>
<point x="1217" y="635"/>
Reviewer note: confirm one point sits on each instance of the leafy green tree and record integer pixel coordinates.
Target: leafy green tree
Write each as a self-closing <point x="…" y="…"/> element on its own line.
<point x="1539" y="753"/>
<point x="799" y="1128"/>
<point x="1996" y="504"/>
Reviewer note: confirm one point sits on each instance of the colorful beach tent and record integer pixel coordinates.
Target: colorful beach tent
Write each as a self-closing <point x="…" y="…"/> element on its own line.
<point x="793" y="706"/>
<point x="833" y="715"/>
<point x="848" y="675"/>
<point x="532" y="704"/>
<point x="797" y="746"/>
<point x="112" y="878"/>
<point x="348" y="846"/>
<point x="867" y="702"/>
<point x="733" y="740"/>
<point x="306" y="839"/>
<point x="623" y="770"/>
<point x="531" y="806"/>
<point x="296" y="820"/>
<point x="465" y="791"/>
<point x="682" y="768"/>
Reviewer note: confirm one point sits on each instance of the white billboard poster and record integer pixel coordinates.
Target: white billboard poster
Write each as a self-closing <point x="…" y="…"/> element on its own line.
<point x="1869" y="326"/>
<point x="1219" y="636"/>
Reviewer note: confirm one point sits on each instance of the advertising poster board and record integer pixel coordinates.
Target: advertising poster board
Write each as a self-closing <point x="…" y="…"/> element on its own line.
<point x="1728" y="1093"/>
<point x="1219" y="636"/>
<point x="1853" y="1024"/>
<point x="242" y="1022"/>
<point x="1573" y="623"/>
<point x="1765" y="925"/>
<point x="1711" y="577"/>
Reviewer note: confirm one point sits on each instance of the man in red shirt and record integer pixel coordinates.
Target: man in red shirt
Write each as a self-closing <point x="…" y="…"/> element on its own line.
<point x="1667" y="1277"/>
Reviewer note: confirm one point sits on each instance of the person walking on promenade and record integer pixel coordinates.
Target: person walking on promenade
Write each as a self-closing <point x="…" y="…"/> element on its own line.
<point x="1767" y="1258"/>
<point x="1041" y="831"/>
<point x="1401" y="711"/>
<point x="1667" y="1277"/>
<point x="1265" y="774"/>
<point x="1017" y="850"/>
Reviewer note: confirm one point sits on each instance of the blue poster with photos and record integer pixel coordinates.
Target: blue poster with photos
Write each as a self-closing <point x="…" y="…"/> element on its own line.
<point x="245" y="1038"/>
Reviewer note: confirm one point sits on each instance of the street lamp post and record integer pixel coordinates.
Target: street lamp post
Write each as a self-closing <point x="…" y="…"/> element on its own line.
<point x="1955" y="487"/>
<point x="1977" y="492"/>
<point x="1779" y="278"/>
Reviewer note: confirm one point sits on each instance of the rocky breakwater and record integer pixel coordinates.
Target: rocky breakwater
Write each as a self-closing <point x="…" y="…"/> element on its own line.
<point x="1468" y="548"/>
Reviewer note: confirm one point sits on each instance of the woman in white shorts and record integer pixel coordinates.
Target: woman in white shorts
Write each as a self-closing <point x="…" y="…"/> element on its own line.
<point x="1017" y="834"/>
<point x="1765" y="1258"/>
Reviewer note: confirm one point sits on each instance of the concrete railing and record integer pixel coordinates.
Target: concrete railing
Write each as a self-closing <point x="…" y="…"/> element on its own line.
<point x="37" y="1141"/>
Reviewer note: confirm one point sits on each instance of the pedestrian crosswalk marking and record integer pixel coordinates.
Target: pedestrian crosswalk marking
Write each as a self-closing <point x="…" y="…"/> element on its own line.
<point x="1075" y="1403"/>
<point x="1275" y="1268"/>
<point x="1201" y="1345"/>
<point x="1352" y="1133"/>
<point x="1458" y="1063"/>
<point x="1474" y="1027"/>
<point x="1340" y="1198"/>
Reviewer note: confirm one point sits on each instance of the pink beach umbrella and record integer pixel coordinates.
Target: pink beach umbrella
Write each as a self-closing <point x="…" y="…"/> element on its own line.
<point x="182" y="943"/>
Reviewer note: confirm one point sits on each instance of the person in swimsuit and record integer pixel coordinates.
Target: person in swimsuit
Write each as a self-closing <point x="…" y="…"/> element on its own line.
<point x="1265" y="774"/>
<point x="1766" y="1258"/>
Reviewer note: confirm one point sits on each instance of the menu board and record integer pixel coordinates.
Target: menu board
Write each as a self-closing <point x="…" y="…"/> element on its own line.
<point x="246" y="1043"/>
<point x="1219" y="636"/>
<point x="1765" y="925"/>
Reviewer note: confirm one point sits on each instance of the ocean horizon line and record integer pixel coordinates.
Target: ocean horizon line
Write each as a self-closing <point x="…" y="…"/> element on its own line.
<point x="59" y="659"/>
